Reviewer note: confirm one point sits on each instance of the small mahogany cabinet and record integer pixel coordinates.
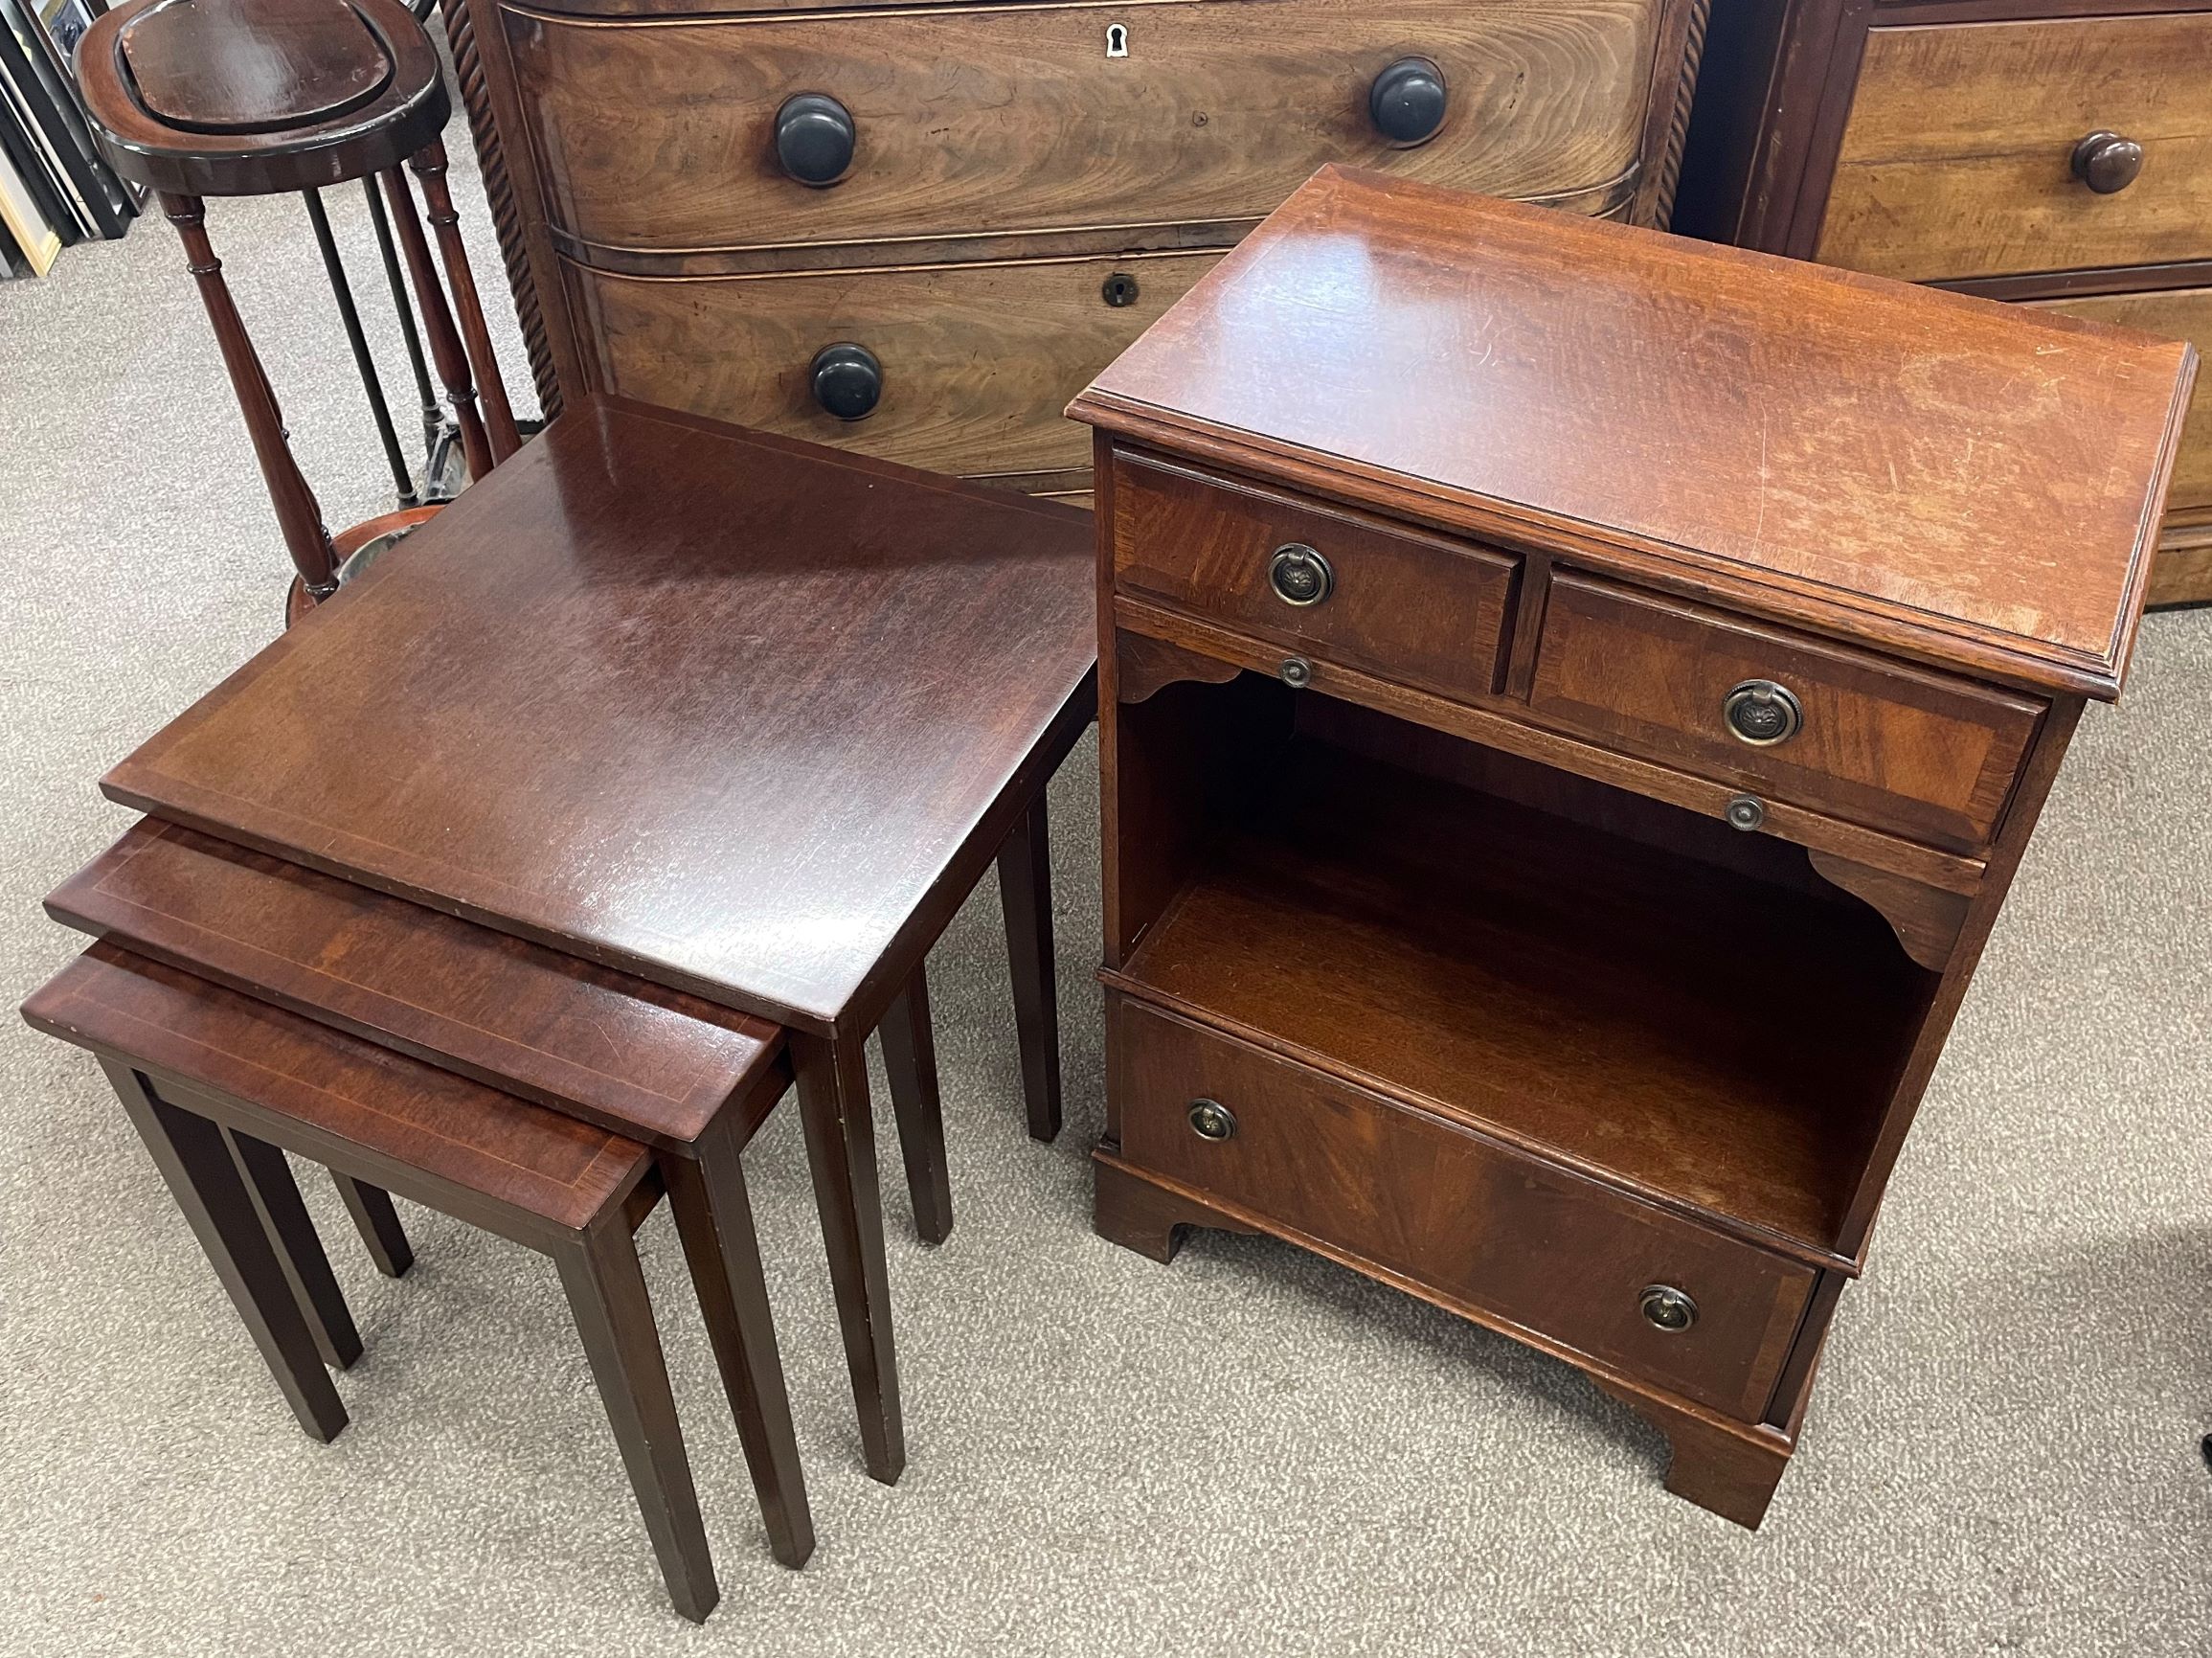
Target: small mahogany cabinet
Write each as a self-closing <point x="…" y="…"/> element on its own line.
<point x="1573" y="701"/>
<point x="2053" y="153"/>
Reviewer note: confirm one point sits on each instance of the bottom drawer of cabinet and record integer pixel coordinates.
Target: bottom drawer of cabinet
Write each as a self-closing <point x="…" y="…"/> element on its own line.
<point x="1593" y="1269"/>
<point x="965" y="367"/>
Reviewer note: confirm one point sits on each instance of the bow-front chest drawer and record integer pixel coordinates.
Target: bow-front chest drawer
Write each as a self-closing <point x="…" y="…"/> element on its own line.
<point x="686" y="133"/>
<point x="972" y="207"/>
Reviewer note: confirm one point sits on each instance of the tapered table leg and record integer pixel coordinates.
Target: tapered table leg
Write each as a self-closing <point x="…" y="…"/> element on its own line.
<point x="714" y="1219"/>
<point x="193" y="1160"/>
<point x="910" y="1059"/>
<point x="841" y="1149"/>
<point x="1025" y="896"/>
<point x="298" y="1250"/>
<point x="377" y="1222"/>
<point x="614" y="1314"/>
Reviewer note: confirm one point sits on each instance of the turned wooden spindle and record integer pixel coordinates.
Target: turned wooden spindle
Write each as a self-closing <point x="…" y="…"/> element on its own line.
<point x="428" y="165"/>
<point x="446" y="351"/>
<point x="299" y="517"/>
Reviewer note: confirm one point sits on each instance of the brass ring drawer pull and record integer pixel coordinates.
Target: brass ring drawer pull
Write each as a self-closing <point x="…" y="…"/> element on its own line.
<point x="1667" y="1307"/>
<point x="1211" y="1119"/>
<point x="1762" y="712"/>
<point x="1300" y="575"/>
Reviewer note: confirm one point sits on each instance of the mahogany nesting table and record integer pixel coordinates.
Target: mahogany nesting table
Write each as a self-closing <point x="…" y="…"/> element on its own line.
<point x="1572" y="703"/>
<point x="735" y="716"/>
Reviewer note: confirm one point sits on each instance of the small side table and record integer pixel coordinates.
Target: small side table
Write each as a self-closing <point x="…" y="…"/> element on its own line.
<point x="336" y="91"/>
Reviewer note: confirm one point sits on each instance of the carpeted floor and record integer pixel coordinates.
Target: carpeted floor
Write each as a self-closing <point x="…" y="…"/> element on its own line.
<point x="1248" y="1452"/>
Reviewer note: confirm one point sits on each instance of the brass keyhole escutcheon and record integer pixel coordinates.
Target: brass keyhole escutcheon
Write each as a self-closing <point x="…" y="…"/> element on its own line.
<point x="1667" y="1307"/>
<point x="1211" y="1119"/>
<point x="1300" y="575"/>
<point x="1762" y="712"/>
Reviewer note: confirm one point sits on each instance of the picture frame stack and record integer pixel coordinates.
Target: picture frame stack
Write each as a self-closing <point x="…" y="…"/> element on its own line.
<point x="56" y="188"/>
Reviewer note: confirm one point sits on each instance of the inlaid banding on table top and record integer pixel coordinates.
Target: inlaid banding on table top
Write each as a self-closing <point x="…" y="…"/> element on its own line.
<point x="1776" y="469"/>
<point x="629" y="1054"/>
<point x="716" y="709"/>
<point x="157" y="1018"/>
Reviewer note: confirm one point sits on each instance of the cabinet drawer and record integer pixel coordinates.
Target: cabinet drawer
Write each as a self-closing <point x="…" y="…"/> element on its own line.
<point x="1879" y="742"/>
<point x="2177" y="315"/>
<point x="1408" y="607"/>
<point x="1958" y="156"/>
<point x="1539" y="1246"/>
<point x="661" y="133"/>
<point x="978" y="360"/>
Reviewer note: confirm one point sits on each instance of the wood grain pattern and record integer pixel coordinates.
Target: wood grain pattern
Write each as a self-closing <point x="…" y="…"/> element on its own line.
<point x="1956" y="158"/>
<point x="171" y="1024"/>
<point x="732" y="714"/>
<point x="2173" y="314"/>
<point x="1965" y="482"/>
<point x="1413" y="608"/>
<point x="990" y="118"/>
<point x="978" y="359"/>
<point x="646" y="1062"/>
<point x="1417" y="1192"/>
<point x="1886" y="746"/>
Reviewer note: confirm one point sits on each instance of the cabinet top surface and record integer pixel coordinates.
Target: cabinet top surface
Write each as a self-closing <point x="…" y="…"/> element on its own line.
<point x="717" y="708"/>
<point x="1972" y="483"/>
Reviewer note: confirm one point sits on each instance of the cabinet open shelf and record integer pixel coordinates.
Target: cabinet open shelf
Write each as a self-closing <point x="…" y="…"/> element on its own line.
<point x="1686" y="1028"/>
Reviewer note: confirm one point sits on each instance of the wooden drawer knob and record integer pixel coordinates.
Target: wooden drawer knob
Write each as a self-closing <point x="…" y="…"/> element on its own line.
<point x="2108" y="162"/>
<point x="846" y="380"/>
<point x="1407" y="102"/>
<point x="815" y="138"/>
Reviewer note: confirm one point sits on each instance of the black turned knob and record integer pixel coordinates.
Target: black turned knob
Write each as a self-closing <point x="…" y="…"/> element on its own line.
<point x="1211" y="1119"/>
<point x="1300" y="575"/>
<point x="1761" y="712"/>
<point x="847" y="380"/>
<point x="2108" y="162"/>
<point x="814" y="138"/>
<point x="1668" y="1307"/>
<point x="1407" y="102"/>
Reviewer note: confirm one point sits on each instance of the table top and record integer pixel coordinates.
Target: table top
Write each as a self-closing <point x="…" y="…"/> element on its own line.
<point x="730" y="711"/>
<point x="1973" y="484"/>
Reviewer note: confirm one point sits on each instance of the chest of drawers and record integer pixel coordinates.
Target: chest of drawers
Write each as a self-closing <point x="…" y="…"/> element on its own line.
<point x="916" y="230"/>
<point x="2055" y="152"/>
<point x="1572" y="702"/>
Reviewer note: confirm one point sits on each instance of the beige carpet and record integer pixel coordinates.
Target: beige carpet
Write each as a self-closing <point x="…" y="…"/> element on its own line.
<point x="1248" y="1452"/>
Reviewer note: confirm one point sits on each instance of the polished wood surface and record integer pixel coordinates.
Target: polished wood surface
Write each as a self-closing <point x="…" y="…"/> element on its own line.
<point x="978" y="359"/>
<point x="548" y="729"/>
<point x="1956" y="161"/>
<point x="1937" y="140"/>
<point x="1422" y="608"/>
<point x="339" y="1088"/>
<point x="1894" y="747"/>
<point x="257" y="97"/>
<point x="620" y="1052"/>
<point x="993" y="119"/>
<point x="1435" y="976"/>
<point x="2173" y="314"/>
<point x="1413" y="1191"/>
<point x="1422" y="352"/>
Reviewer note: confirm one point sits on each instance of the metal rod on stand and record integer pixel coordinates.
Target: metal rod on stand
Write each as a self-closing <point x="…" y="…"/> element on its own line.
<point x="342" y="291"/>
